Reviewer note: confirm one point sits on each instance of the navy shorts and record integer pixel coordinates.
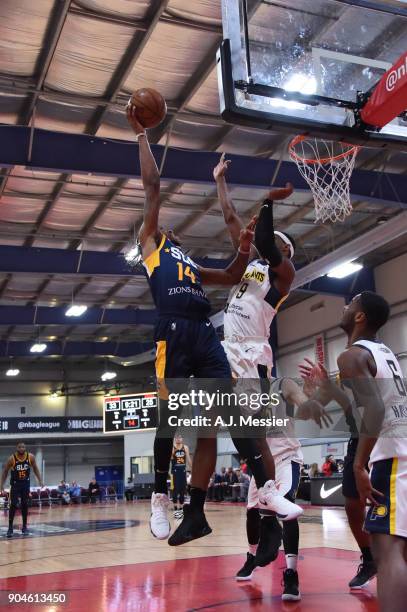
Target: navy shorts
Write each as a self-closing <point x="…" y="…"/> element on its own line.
<point x="389" y="476"/>
<point x="187" y="348"/>
<point x="19" y="491"/>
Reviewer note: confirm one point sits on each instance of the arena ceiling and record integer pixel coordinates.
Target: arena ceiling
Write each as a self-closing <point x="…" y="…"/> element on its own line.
<point x="69" y="66"/>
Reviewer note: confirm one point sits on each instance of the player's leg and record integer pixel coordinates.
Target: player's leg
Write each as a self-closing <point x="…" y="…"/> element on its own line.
<point x="194" y="524"/>
<point x="213" y="370"/>
<point x="288" y="480"/>
<point x="13" y="497"/>
<point x="355" y="512"/>
<point x="387" y="523"/>
<point x="171" y="364"/>
<point x="390" y="554"/>
<point x="25" y="494"/>
<point x="252" y="531"/>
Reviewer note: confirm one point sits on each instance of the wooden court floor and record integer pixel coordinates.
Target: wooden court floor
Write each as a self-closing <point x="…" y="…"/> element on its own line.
<point x="103" y="558"/>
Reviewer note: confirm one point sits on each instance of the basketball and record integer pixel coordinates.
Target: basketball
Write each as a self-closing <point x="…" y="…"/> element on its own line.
<point x="150" y="105"/>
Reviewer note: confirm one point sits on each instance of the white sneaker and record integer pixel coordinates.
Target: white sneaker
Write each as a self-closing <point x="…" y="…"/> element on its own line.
<point x="271" y="499"/>
<point x="159" y="523"/>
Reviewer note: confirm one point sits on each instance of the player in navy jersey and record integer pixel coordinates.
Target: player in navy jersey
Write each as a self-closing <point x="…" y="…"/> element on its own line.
<point x="19" y="465"/>
<point x="187" y="345"/>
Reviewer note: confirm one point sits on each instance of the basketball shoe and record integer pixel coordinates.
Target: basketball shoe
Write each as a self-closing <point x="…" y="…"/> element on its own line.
<point x="271" y="499"/>
<point x="159" y="523"/>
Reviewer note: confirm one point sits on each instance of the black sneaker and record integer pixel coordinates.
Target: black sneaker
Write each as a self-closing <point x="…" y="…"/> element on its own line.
<point x="25" y="531"/>
<point x="9" y="533"/>
<point x="271" y="535"/>
<point x="246" y="572"/>
<point x="291" y="587"/>
<point x="193" y="526"/>
<point x="366" y="571"/>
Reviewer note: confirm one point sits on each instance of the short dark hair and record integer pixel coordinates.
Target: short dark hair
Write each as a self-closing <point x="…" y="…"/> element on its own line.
<point x="20" y="442"/>
<point x="375" y="308"/>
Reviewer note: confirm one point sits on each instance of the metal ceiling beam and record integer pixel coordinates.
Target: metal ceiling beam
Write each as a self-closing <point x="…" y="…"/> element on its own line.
<point x="84" y="154"/>
<point x="196" y="81"/>
<point x="81" y="153"/>
<point x="66" y="262"/>
<point x="122" y="349"/>
<point x="95" y="216"/>
<point x="48" y="207"/>
<point x="49" y="44"/>
<point x="55" y="315"/>
<point x="376" y="237"/>
<point x="127" y="62"/>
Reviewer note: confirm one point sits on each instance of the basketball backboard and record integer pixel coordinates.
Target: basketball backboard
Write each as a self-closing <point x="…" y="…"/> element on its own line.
<point x="300" y="66"/>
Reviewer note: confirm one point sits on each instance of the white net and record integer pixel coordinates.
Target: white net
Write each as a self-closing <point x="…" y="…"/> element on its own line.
<point x="327" y="167"/>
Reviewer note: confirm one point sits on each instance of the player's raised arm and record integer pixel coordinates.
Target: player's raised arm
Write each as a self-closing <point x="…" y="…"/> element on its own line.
<point x="232" y="219"/>
<point x="149" y="233"/>
<point x="265" y="241"/>
<point x="234" y="272"/>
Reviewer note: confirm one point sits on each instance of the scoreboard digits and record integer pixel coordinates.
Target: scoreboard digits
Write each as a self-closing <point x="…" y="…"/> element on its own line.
<point x="137" y="412"/>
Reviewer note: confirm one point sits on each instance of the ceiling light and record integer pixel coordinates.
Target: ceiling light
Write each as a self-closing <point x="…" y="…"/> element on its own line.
<point x="133" y="255"/>
<point x="13" y="372"/>
<point x="54" y="395"/>
<point x="38" y="347"/>
<point x="108" y="375"/>
<point x="344" y="270"/>
<point x="76" y="310"/>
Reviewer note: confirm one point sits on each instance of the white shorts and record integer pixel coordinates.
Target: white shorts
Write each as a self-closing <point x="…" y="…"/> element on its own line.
<point x="287" y="481"/>
<point x="389" y="476"/>
<point x="244" y="356"/>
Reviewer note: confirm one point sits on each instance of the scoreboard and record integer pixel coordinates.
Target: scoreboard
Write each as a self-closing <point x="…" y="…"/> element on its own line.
<point x="137" y="412"/>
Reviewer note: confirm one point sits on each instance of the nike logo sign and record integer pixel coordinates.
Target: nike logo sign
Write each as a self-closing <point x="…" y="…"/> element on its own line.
<point x="327" y="493"/>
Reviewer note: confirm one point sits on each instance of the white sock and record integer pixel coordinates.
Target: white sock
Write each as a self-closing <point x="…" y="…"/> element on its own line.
<point x="291" y="561"/>
<point x="253" y="549"/>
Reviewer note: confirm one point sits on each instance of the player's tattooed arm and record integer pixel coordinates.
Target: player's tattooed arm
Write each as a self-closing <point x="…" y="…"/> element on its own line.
<point x="36" y="470"/>
<point x="232" y="219"/>
<point x="235" y="270"/>
<point x="149" y="234"/>
<point x="4" y="474"/>
<point x="358" y="368"/>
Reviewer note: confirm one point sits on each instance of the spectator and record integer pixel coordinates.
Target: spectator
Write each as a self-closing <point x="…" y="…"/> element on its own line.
<point x="94" y="491"/>
<point x="218" y="485"/>
<point x="243" y="466"/>
<point x="62" y="487"/>
<point x="75" y="492"/>
<point x="234" y="484"/>
<point x="244" y="480"/>
<point x="329" y="466"/>
<point x="66" y="498"/>
<point x="314" y="470"/>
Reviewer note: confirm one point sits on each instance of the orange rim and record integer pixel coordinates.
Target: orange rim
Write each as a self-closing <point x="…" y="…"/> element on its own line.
<point x="323" y="160"/>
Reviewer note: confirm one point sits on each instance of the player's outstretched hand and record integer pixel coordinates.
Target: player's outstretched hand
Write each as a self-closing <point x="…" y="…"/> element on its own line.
<point x="364" y="487"/>
<point x="281" y="193"/>
<point x="314" y="373"/>
<point x="247" y="235"/>
<point x="320" y="415"/>
<point x="132" y="118"/>
<point x="220" y="170"/>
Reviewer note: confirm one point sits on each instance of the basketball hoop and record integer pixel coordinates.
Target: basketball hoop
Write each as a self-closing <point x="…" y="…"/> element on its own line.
<point x="327" y="166"/>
